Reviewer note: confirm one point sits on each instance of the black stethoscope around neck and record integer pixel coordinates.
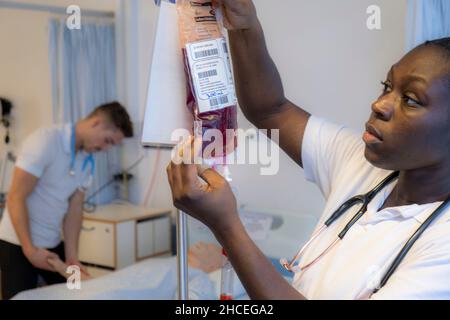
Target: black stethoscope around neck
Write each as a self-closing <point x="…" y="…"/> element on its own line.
<point x="363" y="199"/>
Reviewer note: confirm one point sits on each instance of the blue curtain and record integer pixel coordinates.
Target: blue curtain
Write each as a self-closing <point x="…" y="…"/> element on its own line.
<point x="83" y="71"/>
<point x="427" y="20"/>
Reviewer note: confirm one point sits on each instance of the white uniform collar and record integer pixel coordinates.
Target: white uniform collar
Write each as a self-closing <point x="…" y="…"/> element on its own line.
<point x="416" y="211"/>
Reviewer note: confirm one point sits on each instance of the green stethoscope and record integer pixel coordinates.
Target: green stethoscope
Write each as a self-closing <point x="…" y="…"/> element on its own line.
<point x="89" y="160"/>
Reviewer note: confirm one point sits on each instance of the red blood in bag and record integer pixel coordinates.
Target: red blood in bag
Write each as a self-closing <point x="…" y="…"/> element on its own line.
<point x="205" y="54"/>
<point x="221" y="119"/>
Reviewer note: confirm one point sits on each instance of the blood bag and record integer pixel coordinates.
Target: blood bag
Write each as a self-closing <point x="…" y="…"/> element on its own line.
<point x="211" y="95"/>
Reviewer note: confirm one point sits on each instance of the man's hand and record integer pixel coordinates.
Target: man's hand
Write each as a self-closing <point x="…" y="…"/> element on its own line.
<point x="61" y="268"/>
<point x="76" y="262"/>
<point x="38" y="257"/>
<point x="237" y="14"/>
<point x="213" y="202"/>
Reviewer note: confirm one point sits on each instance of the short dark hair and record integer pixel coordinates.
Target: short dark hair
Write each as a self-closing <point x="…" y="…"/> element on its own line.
<point x="118" y="116"/>
<point x="444" y="45"/>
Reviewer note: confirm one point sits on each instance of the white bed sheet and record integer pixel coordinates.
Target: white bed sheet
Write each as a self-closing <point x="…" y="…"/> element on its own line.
<point x="154" y="278"/>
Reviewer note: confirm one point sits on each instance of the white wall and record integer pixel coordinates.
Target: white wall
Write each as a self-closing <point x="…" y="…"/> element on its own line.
<point x="331" y="65"/>
<point x="136" y="21"/>
<point x="24" y="70"/>
<point x="24" y="78"/>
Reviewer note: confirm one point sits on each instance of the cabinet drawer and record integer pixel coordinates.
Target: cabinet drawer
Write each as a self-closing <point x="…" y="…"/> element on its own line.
<point x="145" y="239"/>
<point x="96" y="244"/>
<point x="162" y="235"/>
<point x="153" y="237"/>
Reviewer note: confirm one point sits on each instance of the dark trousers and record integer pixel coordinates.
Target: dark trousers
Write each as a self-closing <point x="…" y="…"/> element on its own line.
<point x="18" y="274"/>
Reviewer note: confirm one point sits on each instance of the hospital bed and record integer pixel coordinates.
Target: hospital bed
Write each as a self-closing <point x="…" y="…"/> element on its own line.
<point x="278" y="234"/>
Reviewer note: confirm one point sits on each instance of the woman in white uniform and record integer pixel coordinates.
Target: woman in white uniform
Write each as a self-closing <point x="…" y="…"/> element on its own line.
<point x="406" y="149"/>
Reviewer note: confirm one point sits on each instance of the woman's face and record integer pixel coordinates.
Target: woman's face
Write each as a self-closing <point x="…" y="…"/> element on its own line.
<point x="409" y="127"/>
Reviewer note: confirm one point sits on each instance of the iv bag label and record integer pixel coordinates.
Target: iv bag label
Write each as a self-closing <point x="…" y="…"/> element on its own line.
<point x="211" y="74"/>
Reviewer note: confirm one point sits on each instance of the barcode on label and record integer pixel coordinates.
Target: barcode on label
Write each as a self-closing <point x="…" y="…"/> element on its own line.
<point x="206" y="53"/>
<point x="225" y="48"/>
<point x="216" y="101"/>
<point x="206" y="74"/>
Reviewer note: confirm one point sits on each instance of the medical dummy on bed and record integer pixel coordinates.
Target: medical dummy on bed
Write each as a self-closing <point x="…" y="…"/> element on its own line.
<point x="154" y="278"/>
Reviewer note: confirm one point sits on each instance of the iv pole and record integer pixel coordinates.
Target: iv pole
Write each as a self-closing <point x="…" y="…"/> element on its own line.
<point x="181" y="226"/>
<point x="182" y="255"/>
<point x="182" y="239"/>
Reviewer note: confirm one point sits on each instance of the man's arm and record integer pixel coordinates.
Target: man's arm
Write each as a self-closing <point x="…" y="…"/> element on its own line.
<point x="23" y="184"/>
<point x="72" y="226"/>
<point x="258" y="83"/>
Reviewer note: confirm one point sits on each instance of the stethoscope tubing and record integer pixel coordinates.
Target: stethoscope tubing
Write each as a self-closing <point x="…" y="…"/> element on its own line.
<point x="408" y="245"/>
<point x="89" y="160"/>
<point x="365" y="200"/>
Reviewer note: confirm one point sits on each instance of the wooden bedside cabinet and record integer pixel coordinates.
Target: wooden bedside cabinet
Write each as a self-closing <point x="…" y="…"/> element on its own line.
<point x="117" y="235"/>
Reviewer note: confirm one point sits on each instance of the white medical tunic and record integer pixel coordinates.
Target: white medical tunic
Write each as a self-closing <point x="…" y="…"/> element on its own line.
<point x="46" y="154"/>
<point x="333" y="158"/>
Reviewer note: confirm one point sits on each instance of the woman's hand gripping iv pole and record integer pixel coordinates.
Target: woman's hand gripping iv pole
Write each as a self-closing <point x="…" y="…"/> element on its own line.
<point x="202" y="193"/>
<point x="207" y="196"/>
<point x="200" y="190"/>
